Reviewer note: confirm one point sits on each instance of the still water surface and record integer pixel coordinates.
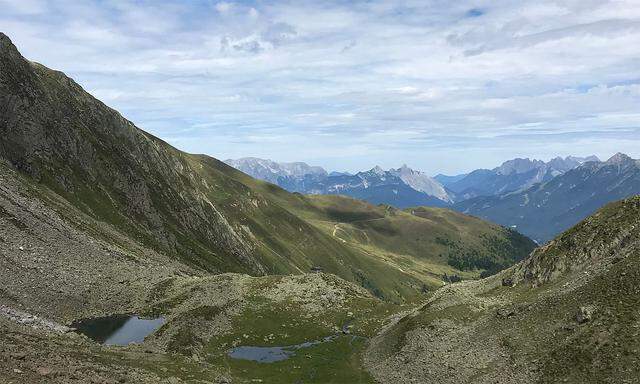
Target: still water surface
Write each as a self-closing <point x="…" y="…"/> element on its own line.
<point x="118" y="329"/>
<point x="272" y="354"/>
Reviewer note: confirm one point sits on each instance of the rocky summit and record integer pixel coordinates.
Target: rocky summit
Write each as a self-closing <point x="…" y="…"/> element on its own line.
<point x="126" y="260"/>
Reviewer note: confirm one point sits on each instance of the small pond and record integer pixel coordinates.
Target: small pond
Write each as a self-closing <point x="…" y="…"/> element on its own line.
<point x="118" y="329"/>
<point x="272" y="354"/>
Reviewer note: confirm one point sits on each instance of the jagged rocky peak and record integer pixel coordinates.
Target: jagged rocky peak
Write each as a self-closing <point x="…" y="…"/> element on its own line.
<point x="378" y="170"/>
<point x="300" y="168"/>
<point x="421" y="182"/>
<point x="403" y="170"/>
<point x="620" y="158"/>
<point x="569" y="162"/>
<point x="406" y="170"/>
<point x="518" y="165"/>
<point x="270" y="170"/>
<point x="557" y="164"/>
<point x="584" y="159"/>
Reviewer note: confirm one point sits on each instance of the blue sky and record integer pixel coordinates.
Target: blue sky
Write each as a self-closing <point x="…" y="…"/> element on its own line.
<point x="442" y="86"/>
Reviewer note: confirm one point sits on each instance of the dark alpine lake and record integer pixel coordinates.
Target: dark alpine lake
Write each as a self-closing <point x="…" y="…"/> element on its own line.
<point x="118" y="329"/>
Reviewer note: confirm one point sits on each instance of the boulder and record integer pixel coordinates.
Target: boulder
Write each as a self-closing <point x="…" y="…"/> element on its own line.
<point x="585" y="314"/>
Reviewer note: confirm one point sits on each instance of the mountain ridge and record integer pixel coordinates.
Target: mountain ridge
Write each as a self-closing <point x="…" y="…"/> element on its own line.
<point x="503" y="194"/>
<point x="512" y="175"/>
<point x="546" y="209"/>
<point x="402" y="187"/>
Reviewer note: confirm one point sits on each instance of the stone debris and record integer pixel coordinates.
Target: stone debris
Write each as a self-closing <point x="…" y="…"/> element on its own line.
<point x="32" y="320"/>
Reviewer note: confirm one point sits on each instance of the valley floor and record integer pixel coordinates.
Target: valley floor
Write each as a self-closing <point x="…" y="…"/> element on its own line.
<point x="205" y="319"/>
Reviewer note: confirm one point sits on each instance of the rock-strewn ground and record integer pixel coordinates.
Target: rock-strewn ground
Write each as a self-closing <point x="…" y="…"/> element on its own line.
<point x="567" y="314"/>
<point x="57" y="262"/>
<point x="31" y="355"/>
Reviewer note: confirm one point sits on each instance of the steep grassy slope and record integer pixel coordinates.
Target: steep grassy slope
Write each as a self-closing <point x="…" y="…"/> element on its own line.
<point x="192" y="208"/>
<point x="569" y="313"/>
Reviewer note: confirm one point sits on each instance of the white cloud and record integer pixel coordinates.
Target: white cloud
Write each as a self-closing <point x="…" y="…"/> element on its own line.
<point x="223" y="7"/>
<point x="253" y="13"/>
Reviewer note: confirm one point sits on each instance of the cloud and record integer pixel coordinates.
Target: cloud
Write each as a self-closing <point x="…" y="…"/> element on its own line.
<point x="223" y="7"/>
<point x="278" y="33"/>
<point x="251" y="46"/>
<point x="349" y="46"/>
<point x="475" y="12"/>
<point x="444" y="86"/>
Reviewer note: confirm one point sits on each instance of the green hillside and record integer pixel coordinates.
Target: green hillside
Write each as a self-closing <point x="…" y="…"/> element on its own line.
<point x="421" y="237"/>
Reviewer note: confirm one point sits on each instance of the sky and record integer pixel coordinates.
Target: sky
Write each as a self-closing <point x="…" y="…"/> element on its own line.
<point x="443" y="86"/>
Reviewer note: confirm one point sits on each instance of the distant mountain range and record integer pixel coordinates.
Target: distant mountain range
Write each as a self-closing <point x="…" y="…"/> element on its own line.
<point x="405" y="187"/>
<point x="548" y="208"/>
<point x="539" y="198"/>
<point x="512" y="175"/>
<point x="294" y="177"/>
<point x="402" y="187"/>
